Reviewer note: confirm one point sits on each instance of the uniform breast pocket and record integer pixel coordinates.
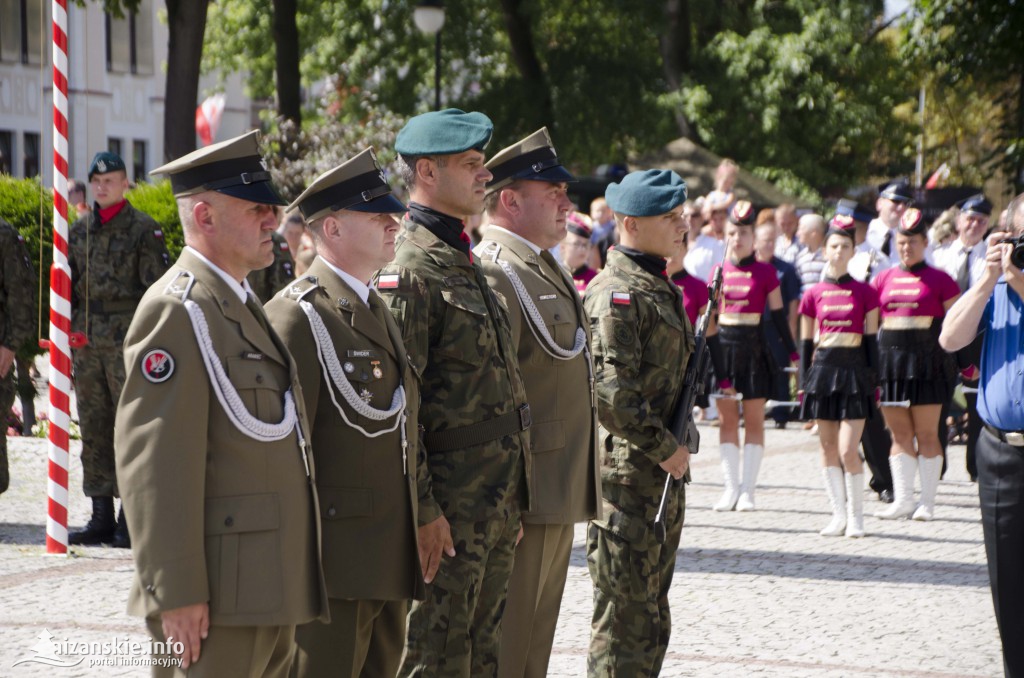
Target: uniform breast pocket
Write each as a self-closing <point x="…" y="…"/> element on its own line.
<point x="260" y="386"/>
<point x="560" y="322"/>
<point x="243" y="548"/>
<point x="664" y="349"/>
<point x="468" y="335"/>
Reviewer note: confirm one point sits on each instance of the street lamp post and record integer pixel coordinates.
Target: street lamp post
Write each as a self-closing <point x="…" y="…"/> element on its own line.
<point x="429" y="18"/>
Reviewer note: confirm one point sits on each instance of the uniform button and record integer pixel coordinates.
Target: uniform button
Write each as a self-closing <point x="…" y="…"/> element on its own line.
<point x="229" y="521"/>
<point x="259" y="378"/>
<point x="332" y="512"/>
<point x="558" y="317"/>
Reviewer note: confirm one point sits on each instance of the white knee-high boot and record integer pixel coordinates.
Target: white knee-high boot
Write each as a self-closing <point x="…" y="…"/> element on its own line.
<point x="930" y="469"/>
<point x="833" y="477"/>
<point x="752" y="455"/>
<point x="730" y="455"/>
<point x="904" y="470"/>
<point x="854" y="504"/>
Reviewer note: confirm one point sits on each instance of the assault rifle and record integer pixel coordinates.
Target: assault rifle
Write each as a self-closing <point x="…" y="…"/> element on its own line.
<point x="682" y="425"/>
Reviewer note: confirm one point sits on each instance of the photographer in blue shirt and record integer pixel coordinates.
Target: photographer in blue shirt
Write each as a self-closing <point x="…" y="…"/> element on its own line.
<point x="994" y="307"/>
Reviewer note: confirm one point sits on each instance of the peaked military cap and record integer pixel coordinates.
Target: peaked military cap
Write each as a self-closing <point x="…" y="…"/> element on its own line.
<point x="742" y="213"/>
<point x="646" y="193"/>
<point x="976" y="204"/>
<point x="912" y="222"/>
<point x="898" y="191"/>
<point x="444" y="132"/>
<point x="233" y="167"/>
<point x="532" y="158"/>
<point x="105" y="162"/>
<point x="358" y="184"/>
<point x="850" y="208"/>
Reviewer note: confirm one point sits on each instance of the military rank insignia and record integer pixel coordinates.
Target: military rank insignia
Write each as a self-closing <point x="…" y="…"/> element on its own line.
<point x="157" y="366"/>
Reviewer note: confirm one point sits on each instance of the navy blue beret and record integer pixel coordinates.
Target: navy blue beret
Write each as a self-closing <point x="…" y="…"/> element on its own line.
<point x="104" y="162"/>
<point x="647" y="193"/>
<point x="444" y="132"/>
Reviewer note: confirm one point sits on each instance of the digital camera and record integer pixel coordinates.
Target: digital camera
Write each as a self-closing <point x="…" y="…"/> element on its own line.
<point x="1017" y="256"/>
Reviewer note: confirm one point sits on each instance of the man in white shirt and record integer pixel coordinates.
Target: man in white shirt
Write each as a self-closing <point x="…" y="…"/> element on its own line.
<point x="708" y="250"/>
<point x="894" y="199"/>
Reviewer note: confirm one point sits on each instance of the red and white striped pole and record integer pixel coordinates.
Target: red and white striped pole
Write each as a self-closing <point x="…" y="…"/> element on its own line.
<point x="60" y="298"/>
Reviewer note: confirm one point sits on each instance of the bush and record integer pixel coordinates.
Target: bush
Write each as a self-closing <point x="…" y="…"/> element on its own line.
<point x="157" y="201"/>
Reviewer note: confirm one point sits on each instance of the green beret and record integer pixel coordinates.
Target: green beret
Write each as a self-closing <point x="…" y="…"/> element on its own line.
<point x="105" y="162"/>
<point x="444" y="132"/>
<point x="647" y="193"/>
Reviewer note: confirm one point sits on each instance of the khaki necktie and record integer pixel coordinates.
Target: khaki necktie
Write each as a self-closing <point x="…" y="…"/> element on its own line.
<point x="257" y="310"/>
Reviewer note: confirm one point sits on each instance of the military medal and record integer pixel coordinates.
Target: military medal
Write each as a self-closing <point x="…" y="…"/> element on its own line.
<point x="366" y="396"/>
<point x="377" y="371"/>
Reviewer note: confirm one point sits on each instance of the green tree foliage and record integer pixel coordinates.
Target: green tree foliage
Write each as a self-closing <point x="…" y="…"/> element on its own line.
<point x="28" y="206"/>
<point x="808" y="92"/>
<point x="158" y="201"/>
<point x="973" y="55"/>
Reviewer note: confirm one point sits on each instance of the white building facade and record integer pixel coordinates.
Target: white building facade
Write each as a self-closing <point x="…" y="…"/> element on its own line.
<point x="116" y="88"/>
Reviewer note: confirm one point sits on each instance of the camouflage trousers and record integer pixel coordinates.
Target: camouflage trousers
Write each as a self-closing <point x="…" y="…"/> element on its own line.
<point x="632" y="573"/>
<point x="99" y="379"/>
<point x="8" y="388"/>
<point x="456" y="630"/>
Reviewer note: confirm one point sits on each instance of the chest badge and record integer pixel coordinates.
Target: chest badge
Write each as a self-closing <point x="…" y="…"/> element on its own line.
<point x="366" y="396"/>
<point x="377" y="371"/>
<point x="157" y="366"/>
<point x="349" y="368"/>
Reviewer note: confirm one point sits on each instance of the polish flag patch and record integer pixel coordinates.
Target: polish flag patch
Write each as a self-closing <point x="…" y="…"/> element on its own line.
<point x="621" y="298"/>
<point x="387" y="282"/>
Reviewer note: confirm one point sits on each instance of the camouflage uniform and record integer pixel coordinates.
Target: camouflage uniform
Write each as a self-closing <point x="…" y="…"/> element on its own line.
<point x="460" y="346"/>
<point x="112" y="265"/>
<point x="18" y="296"/>
<point x="267" y="282"/>
<point x="642" y="341"/>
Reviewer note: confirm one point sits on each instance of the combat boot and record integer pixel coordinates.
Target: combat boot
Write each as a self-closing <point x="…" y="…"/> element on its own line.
<point x="122" y="540"/>
<point x="100" y="528"/>
<point x="833" y="476"/>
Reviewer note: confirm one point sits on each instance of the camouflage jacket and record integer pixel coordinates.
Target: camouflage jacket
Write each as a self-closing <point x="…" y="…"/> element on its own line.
<point x="642" y="341"/>
<point x="18" y="290"/>
<point x="112" y="266"/>
<point x="267" y="282"/>
<point x="457" y="333"/>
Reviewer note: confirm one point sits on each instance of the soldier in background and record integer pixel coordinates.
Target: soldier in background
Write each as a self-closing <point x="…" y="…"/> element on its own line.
<point x="473" y="411"/>
<point x="363" y="400"/>
<point x="642" y="342"/>
<point x="527" y="207"/>
<point x="115" y="252"/>
<point x="18" y="283"/>
<point x="266" y="282"/>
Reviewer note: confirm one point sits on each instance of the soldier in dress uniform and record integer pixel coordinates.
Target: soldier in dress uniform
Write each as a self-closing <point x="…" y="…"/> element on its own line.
<point x="266" y="282"/>
<point x="211" y="438"/>
<point x="642" y="342"/>
<point x="526" y="215"/>
<point x="18" y="283"/>
<point x="115" y="253"/>
<point x="473" y="409"/>
<point x="363" y="401"/>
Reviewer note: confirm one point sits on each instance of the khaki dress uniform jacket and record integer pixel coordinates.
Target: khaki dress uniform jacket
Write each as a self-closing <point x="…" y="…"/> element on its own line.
<point x="215" y="515"/>
<point x="367" y="486"/>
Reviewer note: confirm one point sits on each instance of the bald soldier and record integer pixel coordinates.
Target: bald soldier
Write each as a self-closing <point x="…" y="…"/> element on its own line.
<point x="525" y="216"/>
<point x="217" y="476"/>
<point x="642" y="342"/>
<point x="363" y="402"/>
<point x="473" y="409"/>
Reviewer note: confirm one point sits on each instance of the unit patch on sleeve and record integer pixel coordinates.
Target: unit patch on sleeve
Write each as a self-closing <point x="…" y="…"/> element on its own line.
<point x="157" y="365"/>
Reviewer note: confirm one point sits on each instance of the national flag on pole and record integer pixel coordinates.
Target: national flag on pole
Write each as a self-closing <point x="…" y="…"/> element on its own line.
<point x="938" y="177"/>
<point x="208" y="118"/>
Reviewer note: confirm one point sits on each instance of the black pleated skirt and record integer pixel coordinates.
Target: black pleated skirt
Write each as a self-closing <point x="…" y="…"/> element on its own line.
<point x="747" y="361"/>
<point x="914" y="367"/>
<point x="837" y="385"/>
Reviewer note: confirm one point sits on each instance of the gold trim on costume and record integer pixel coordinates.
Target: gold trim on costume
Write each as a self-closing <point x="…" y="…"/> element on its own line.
<point x="840" y="340"/>
<point x="734" y="319"/>
<point x="902" y="322"/>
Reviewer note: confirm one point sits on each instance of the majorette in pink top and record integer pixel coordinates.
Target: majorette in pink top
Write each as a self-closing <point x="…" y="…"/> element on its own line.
<point x="840" y="309"/>
<point x="581" y="277"/>
<point x="695" y="294"/>
<point x="745" y="289"/>
<point x="918" y="292"/>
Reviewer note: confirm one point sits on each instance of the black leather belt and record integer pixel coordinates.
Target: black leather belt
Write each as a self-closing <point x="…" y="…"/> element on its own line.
<point x="479" y="433"/>
<point x="1015" y="438"/>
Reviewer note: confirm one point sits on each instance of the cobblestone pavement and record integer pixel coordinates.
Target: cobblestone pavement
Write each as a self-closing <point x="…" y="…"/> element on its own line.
<point x="754" y="593"/>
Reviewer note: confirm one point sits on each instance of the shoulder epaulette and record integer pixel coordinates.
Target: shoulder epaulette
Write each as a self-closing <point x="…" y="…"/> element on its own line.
<point x="179" y="287"/>
<point x="301" y="287"/>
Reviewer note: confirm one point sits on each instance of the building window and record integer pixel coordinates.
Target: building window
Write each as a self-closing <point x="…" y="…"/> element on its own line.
<point x="130" y="41"/>
<point x="31" y="154"/>
<point x="139" y="160"/>
<point x="24" y="33"/>
<point x="114" y="146"/>
<point x="6" y="152"/>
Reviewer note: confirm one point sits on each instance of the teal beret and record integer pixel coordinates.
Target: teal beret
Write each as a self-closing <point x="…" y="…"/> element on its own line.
<point x="444" y="132"/>
<point x="647" y="193"/>
<point x="104" y="162"/>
